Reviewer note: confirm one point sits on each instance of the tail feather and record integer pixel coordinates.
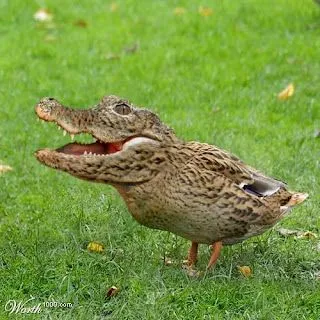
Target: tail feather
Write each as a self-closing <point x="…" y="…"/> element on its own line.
<point x="295" y="199"/>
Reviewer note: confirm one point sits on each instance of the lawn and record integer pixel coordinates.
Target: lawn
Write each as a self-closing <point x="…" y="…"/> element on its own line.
<point x="213" y="76"/>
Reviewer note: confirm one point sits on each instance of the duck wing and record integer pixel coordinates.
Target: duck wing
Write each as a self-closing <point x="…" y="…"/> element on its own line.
<point x="247" y="178"/>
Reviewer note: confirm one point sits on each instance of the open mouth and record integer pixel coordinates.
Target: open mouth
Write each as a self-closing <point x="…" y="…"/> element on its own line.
<point x="97" y="148"/>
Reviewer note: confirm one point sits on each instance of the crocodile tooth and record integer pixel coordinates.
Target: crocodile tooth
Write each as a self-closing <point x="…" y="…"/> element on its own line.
<point x="38" y="119"/>
<point x="85" y="153"/>
<point x="72" y="136"/>
<point x="90" y="153"/>
<point x="59" y="128"/>
<point x="64" y="132"/>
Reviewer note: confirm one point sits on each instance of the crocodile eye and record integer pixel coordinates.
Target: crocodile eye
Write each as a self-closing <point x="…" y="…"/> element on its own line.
<point x="122" y="109"/>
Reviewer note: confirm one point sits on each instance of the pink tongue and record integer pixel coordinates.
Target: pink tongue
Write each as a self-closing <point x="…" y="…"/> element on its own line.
<point x="114" y="147"/>
<point x="79" y="149"/>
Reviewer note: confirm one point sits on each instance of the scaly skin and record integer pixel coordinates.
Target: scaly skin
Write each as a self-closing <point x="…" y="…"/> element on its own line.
<point x="192" y="189"/>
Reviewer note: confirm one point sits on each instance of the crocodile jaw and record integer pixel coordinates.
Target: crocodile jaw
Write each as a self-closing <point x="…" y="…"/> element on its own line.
<point x="134" y="163"/>
<point x="87" y="161"/>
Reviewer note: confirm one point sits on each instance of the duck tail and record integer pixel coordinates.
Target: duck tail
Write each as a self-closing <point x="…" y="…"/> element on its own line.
<point x="296" y="198"/>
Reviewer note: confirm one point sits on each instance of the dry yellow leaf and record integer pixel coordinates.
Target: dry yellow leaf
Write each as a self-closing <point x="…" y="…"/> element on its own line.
<point x="245" y="271"/>
<point x="112" y="291"/>
<point x="287" y="92"/>
<point x="4" y="168"/>
<point x="114" y="7"/>
<point x="179" y="11"/>
<point x="43" y="15"/>
<point x="205" y="11"/>
<point x="307" y="235"/>
<point x="95" y="247"/>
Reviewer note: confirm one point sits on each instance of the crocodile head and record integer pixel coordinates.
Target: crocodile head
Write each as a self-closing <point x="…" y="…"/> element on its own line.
<point x="120" y="131"/>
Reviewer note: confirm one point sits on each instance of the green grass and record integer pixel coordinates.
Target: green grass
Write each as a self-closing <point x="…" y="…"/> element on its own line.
<point x="234" y="61"/>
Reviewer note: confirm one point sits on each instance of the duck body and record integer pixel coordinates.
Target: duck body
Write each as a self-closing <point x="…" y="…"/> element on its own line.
<point x="201" y="195"/>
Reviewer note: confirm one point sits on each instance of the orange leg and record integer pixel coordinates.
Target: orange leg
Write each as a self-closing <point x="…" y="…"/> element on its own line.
<point x="216" y="249"/>
<point x="193" y="253"/>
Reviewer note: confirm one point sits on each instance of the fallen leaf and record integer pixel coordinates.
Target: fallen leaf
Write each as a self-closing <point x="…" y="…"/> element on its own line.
<point x="114" y="7"/>
<point x="4" y="168"/>
<point x="95" y="247"/>
<point x="179" y="11"/>
<point x="317" y="133"/>
<point x="307" y="235"/>
<point x="112" y="291"/>
<point x="205" y="11"/>
<point x="43" y="15"/>
<point x="80" y="23"/>
<point x="286" y="93"/>
<point x="245" y="271"/>
<point x="298" y="234"/>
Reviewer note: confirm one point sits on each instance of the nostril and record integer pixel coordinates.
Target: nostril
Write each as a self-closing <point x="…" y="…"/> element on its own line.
<point x="50" y="99"/>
